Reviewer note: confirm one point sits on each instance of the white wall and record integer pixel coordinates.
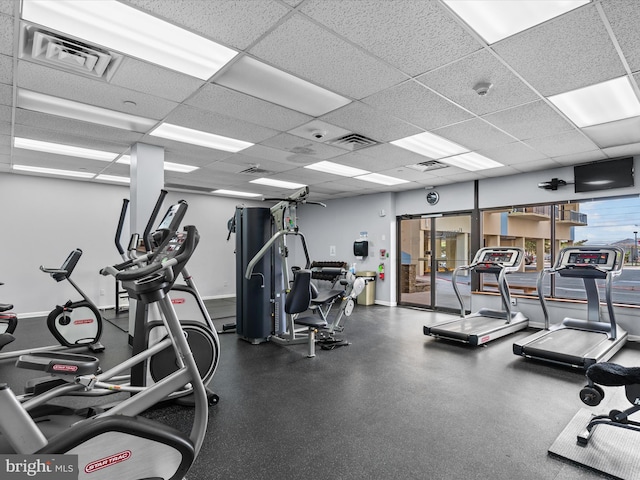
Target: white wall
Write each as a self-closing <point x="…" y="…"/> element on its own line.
<point x="44" y="219"/>
<point x="453" y="198"/>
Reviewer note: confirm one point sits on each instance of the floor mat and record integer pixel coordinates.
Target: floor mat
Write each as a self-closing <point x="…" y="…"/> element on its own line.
<point x="611" y="450"/>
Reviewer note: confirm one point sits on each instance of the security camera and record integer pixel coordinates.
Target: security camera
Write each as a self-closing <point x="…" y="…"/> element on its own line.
<point x="318" y="134"/>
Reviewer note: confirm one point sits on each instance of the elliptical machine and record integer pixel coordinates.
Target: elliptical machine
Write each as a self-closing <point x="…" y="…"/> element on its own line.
<point x="186" y="300"/>
<point x="118" y="443"/>
<point x="75" y="324"/>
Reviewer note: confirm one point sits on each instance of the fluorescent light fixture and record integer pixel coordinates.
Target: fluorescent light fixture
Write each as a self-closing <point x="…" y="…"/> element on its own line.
<point x="60" y="149"/>
<point x="272" y="182"/>
<point x="120" y="27"/>
<point x="198" y="137"/>
<point x="53" y="171"/>
<point x="336" y="169"/>
<point x="257" y="79"/>
<point x="430" y="145"/>
<point x="113" y="178"/>
<point x="169" y="166"/>
<point x="234" y="193"/>
<point x="381" y="179"/>
<point x="62" y="107"/>
<point x="494" y="20"/>
<point x="600" y="103"/>
<point x="471" y="161"/>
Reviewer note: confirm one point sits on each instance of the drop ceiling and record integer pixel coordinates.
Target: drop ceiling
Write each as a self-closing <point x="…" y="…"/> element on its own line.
<point x="404" y="67"/>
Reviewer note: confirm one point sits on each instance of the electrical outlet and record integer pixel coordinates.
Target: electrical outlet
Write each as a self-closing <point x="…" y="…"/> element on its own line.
<point x="514" y="301"/>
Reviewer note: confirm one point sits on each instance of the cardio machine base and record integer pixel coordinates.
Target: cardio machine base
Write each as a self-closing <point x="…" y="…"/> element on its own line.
<point x="478" y="328"/>
<point x="571" y="347"/>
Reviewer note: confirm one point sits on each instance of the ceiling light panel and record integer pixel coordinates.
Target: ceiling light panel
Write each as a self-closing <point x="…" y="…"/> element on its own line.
<point x="337" y="169"/>
<point x="471" y="161"/>
<point x="381" y="179"/>
<point x="53" y="171"/>
<point x="198" y="137"/>
<point x="268" y="83"/>
<point x="169" y="166"/>
<point x="62" y="107"/>
<point x="233" y="193"/>
<point x="125" y="29"/>
<point x="60" y="149"/>
<point x="600" y="103"/>
<point x="272" y="182"/>
<point x="430" y="145"/>
<point x="113" y="178"/>
<point x="494" y="20"/>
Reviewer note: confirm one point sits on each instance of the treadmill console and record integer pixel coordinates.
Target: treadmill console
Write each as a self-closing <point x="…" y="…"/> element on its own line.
<point x="576" y="259"/>
<point x="495" y="258"/>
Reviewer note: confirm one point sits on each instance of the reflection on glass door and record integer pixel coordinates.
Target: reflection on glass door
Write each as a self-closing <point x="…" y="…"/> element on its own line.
<point x="431" y="248"/>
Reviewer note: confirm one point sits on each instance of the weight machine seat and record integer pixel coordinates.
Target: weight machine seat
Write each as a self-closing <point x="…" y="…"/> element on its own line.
<point x="298" y="301"/>
<point x="5" y="306"/>
<point x="613" y="375"/>
<point x="328" y="296"/>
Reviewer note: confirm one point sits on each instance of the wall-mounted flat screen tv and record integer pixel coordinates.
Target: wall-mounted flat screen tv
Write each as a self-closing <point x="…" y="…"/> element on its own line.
<point x="604" y="175"/>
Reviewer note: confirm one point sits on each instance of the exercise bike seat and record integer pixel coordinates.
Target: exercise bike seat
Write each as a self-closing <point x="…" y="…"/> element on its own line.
<point x="5" y="306"/>
<point x="58" y="363"/>
<point x="613" y="375"/>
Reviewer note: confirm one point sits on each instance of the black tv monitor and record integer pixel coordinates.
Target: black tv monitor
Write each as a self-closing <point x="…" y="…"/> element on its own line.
<point x="604" y="175"/>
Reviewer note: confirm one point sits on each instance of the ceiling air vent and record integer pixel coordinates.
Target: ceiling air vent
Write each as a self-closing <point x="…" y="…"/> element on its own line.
<point x="68" y="54"/>
<point x="255" y="170"/>
<point x="353" y="141"/>
<point x="428" y="166"/>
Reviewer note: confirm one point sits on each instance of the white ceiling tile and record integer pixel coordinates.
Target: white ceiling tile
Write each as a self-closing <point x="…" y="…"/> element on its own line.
<point x="475" y="134"/>
<point x="537" y="165"/>
<point x="93" y="92"/>
<point x="410" y="174"/>
<point x="622" y="151"/>
<point x="393" y="155"/>
<point x="186" y="150"/>
<point x="360" y="159"/>
<point x="512" y="153"/>
<point x="311" y="129"/>
<point x="499" y="172"/>
<point x="236" y="23"/>
<point x="309" y="150"/>
<point x="7" y="7"/>
<point x="62" y="124"/>
<point x="623" y="17"/>
<point x="621" y="132"/>
<point x="5" y="113"/>
<point x="415" y="104"/>
<point x="566" y="53"/>
<point x="6" y="94"/>
<point x="306" y="50"/>
<point x="24" y="157"/>
<point x="386" y="29"/>
<point x="582" y="157"/>
<point x="66" y="138"/>
<point x="367" y="121"/>
<point x="536" y="119"/>
<point x="465" y="177"/>
<point x="212" y="122"/>
<point x="562" y="144"/>
<point x="6" y="35"/>
<point x="135" y="74"/>
<point x="6" y="69"/>
<point x="244" y="107"/>
<point x="238" y="162"/>
<point x="5" y="128"/>
<point x="5" y="159"/>
<point x="457" y="81"/>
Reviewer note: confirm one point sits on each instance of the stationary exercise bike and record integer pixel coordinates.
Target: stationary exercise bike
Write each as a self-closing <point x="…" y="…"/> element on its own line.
<point x="117" y="443"/>
<point x="75" y="324"/>
<point x="611" y="375"/>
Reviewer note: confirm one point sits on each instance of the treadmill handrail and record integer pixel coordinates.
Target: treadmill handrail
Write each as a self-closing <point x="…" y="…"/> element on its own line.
<point x="455" y="287"/>
<point x="543" y="302"/>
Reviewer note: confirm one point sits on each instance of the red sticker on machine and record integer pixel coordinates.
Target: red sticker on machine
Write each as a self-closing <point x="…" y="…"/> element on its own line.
<point x="484" y="339"/>
<point x="107" y="461"/>
<point x="177" y="301"/>
<point x="83" y="321"/>
<point x="64" y="368"/>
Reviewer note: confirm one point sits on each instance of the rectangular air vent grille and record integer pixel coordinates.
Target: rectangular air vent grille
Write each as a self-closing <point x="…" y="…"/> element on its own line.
<point x="255" y="170"/>
<point x="428" y="166"/>
<point x="68" y="54"/>
<point x="353" y="141"/>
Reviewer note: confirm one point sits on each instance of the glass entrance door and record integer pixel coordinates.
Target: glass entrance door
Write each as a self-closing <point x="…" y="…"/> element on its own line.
<point x="431" y="248"/>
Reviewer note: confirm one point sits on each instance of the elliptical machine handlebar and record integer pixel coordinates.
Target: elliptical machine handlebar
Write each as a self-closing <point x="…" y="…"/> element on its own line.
<point x="146" y="237"/>
<point x="123" y="214"/>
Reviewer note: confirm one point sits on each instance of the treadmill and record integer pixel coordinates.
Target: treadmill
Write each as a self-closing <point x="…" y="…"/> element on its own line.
<point x="574" y="342"/>
<point x="485" y="324"/>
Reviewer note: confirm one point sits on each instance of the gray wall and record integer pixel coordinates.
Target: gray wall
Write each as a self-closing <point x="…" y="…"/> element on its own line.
<point x="44" y="219"/>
